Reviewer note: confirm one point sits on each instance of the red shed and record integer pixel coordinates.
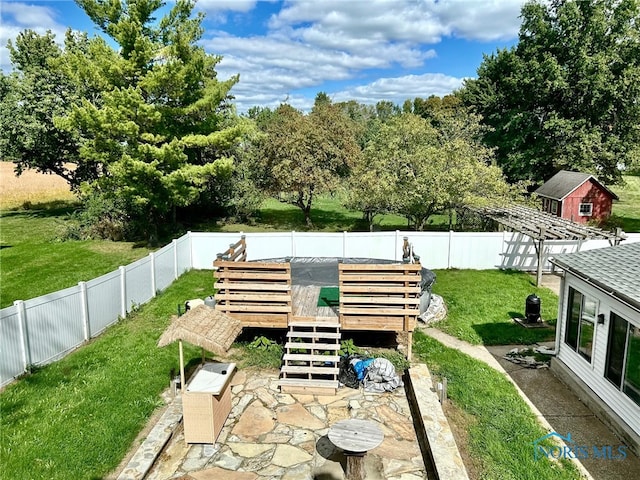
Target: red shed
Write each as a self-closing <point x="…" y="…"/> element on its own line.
<point x="576" y="196"/>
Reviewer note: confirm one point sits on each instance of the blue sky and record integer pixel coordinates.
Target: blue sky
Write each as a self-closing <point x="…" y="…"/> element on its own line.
<point x="366" y="50"/>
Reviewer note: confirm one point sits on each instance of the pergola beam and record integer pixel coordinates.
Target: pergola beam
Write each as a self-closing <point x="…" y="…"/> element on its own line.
<point x="541" y="226"/>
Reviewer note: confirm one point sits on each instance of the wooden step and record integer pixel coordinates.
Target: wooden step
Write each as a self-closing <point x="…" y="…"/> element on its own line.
<point x="303" y="370"/>
<point x="303" y="324"/>
<point x="323" y="335"/>
<point x="305" y="357"/>
<point x="306" y="386"/>
<point x="312" y="346"/>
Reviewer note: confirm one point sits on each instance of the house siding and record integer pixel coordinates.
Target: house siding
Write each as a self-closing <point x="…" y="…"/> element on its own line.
<point x="593" y="373"/>
<point x="588" y="192"/>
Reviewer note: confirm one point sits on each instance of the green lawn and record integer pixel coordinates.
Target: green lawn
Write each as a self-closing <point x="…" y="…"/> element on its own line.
<point x="628" y="207"/>
<point x="499" y="425"/>
<point x="76" y="418"/>
<point x="33" y="262"/>
<point x="327" y="215"/>
<point x="482" y="304"/>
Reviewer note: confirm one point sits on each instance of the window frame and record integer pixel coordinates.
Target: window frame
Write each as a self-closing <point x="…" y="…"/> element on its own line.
<point x="554" y="207"/>
<point x="581" y="213"/>
<point x="622" y="383"/>
<point x="575" y="325"/>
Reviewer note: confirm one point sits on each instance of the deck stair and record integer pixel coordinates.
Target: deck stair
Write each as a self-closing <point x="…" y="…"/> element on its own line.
<point x="310" y="362"/>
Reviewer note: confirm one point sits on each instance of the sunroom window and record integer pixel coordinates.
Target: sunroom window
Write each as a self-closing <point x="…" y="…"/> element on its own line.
<point x="581" y="317"/>
<point x="623" y="357"/>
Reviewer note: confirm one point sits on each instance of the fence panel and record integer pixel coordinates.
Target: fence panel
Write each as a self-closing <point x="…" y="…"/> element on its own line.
<point x="205" y="246"/>
<point x="164" y="267"/>
<point x="319" y="244"/>
<point x="433" y="248"/>
<point x="183" y="254"/>
<point x="12" y="364"/>
<point x="103" y="301"/>
<point x="54" y="324"/>
<point x="138" y="283"/>
<point x="475" y="250"/>
<point x="384" y="245"/>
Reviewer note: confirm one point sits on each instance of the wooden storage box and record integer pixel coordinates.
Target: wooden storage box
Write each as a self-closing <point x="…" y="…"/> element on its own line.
<point x="206" y="402"/>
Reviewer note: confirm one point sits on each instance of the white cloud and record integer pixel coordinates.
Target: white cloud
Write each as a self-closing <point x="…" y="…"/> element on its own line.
<point x="17" y="17"/>
<point x="226" y="5"/>
<point x="398" y="89"/>
<point x="310" y="42"/>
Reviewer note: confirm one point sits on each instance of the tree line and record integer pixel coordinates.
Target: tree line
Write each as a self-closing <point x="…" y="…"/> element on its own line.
<point x="148" y="136"/>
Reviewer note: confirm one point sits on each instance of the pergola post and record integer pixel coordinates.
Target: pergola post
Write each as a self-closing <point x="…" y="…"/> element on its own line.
<point x="540" y="252"/>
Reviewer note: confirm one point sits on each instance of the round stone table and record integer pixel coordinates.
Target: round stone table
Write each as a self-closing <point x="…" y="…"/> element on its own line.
<point x="356" y="437"/>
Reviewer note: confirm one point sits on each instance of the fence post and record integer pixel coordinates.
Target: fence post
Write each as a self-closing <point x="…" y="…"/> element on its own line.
<point x="398" y="246"/>
<point x="344" y="244"/>
<point x="84" y="300"/>
<point x="123" y="291"/>
<point x="293" y="243"/>
<point x="449" y="249"/>
<point x="190" y="250"/>
<point x="174" y="242"/>
<point x="24" y="333"/>
<point x="152" y="258"/>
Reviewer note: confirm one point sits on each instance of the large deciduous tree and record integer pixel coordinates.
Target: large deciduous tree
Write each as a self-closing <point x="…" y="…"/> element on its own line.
<point x="411" y="168"/>
<point x="306" y="155"/>
<point x="32" y="95"/>
<point x="567" y="96"/>
<point x="161" y="131"/>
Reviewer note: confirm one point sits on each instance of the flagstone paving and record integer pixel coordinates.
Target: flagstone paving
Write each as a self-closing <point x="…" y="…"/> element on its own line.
<point x="273" y="435"/>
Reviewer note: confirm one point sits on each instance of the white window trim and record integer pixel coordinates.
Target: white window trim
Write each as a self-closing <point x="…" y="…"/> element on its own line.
<point x="554" y="207"/>
<point x="585" y="214"/>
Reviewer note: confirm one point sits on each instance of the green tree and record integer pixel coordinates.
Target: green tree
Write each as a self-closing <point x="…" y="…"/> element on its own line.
<point x="162" y="130"/>
<point x="31" y="96"/>
<point x="413" y="169"/>
<point x="567" y="96"/>
<point x="307" y="155"/>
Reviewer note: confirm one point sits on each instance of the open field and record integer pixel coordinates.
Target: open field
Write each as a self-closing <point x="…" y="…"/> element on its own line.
<point x="628" y="207"/>
<point x="31" y="189"/>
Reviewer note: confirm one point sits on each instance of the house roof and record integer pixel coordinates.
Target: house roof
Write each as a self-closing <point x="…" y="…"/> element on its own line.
<point x="564" y="182"/>
<point x="616" y="270"/>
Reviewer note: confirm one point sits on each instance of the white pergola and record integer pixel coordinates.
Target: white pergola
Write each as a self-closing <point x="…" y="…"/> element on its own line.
<point x="541" y="226"/>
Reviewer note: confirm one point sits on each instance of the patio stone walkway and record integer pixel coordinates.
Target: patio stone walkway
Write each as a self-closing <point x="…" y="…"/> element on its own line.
<point x="273" y="435"/>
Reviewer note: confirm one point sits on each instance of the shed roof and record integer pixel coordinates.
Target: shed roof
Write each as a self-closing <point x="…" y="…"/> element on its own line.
<point x="615" y="270"/>
<point x="564" y="182"/>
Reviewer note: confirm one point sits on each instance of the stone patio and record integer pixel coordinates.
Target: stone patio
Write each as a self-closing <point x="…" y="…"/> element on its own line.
<point x="273" y="435"/>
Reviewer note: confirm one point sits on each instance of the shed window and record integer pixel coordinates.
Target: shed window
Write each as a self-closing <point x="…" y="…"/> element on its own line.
<point x="623" y="357"/>
<point x="554" y="206"/>
<point x="581" y="316"/>
<point x="586" y="209"/>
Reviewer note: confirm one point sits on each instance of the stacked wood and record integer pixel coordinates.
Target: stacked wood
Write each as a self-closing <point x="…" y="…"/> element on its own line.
<point x="379" y="297"/>
<point x="256" y="293"/>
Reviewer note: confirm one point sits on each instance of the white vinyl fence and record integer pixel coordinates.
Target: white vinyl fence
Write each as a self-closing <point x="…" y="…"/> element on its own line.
<point x="46" y="328"/>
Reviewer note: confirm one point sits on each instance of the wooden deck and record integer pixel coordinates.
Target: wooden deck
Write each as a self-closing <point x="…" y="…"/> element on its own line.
<point x="305" y="305"/>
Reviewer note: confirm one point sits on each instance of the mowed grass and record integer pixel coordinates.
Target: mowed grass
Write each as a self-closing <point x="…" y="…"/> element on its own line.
<point x="483" y="303"/>
<point x="628" y="207"/>
<point x="33" y="262"/>
<point x="499" y="426"/>
<point x="327" y="214"/>
<point x="77" y="418"/>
